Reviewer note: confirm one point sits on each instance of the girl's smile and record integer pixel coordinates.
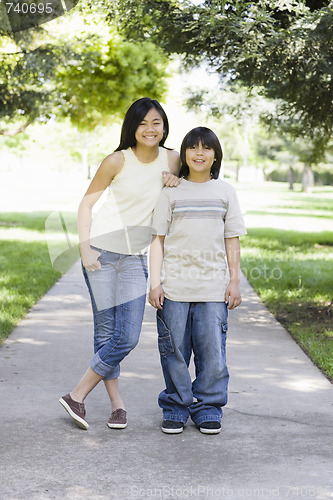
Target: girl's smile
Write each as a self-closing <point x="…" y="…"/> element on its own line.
<point x="151" y="129"/>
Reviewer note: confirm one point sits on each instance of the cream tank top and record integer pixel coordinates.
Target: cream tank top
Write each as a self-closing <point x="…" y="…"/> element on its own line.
<point x="123" y="222"/>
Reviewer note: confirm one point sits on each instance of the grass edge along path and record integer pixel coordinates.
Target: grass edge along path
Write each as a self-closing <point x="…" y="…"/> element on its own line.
<point x="291" y="271"/>
<point x="288" y="270"/>
<point x="26" y="272"/>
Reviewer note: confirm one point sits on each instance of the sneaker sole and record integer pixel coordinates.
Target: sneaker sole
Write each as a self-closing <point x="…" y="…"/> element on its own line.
<point x="172" y="431"/>
<point x="209" y="431"/>
<point x="78" y="420"/>
<point x="116" y="426"/>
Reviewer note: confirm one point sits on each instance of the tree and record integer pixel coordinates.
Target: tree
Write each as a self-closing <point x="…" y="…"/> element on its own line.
<point x="26" y="89"/>
<point x="283" y="49"/>
<point x="90" y="77"/>
<point x="106" y="76"/>
<point x="272" y="138"/>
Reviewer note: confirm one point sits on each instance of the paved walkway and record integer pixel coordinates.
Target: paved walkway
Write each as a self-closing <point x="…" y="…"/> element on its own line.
<point x="277" y="432"/>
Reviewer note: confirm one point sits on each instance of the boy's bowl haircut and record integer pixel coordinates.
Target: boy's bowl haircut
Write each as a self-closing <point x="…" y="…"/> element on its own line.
<point x="207" y="138"/>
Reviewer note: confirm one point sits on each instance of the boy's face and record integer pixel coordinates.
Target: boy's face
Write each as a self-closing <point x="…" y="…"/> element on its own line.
<point x="200" y="159"/>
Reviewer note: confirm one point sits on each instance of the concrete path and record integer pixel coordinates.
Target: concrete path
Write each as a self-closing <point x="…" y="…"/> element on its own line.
<point x="277" y="431"/>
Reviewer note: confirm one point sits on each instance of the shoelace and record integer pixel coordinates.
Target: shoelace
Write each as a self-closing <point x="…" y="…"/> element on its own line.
<point x="81" y="407"/>
<point x="117" y="414"/>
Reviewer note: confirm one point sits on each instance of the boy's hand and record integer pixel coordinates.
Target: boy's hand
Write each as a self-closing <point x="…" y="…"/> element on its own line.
<point x="156" y="297"/>
<point x="170" y="180"/>
<point x="233" y="295"/>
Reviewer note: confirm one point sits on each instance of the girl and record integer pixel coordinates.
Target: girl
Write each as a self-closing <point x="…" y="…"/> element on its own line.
<point x="197" y="226"/>
<point x="113" y="248"/>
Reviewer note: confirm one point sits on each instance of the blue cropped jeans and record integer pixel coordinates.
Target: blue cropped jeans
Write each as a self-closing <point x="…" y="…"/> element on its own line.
<point x="118" y="296"/>
<point x="200" y="327"/>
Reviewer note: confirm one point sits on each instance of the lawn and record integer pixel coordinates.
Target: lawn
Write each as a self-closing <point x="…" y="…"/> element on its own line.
<point x="286" y="256"/>
<point x="26" y="271"/>
<point x="292" y="269"/>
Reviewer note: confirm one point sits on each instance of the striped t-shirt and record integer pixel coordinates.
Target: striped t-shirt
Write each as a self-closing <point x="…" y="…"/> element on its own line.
<point x="195" y="218"/>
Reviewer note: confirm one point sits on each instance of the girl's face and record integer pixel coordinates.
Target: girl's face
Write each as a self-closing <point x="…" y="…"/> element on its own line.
<point x="200" y="159"/>
<point x="150" y="130"/>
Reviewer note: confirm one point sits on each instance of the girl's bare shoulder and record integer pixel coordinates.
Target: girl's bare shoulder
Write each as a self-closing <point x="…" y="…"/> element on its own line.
<point x="173" y="161"/>
<point x="106" y="172"/>
<point x="114" y="161"/>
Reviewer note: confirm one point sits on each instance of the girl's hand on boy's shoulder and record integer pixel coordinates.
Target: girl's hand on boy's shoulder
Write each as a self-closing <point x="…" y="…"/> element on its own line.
<point x="170" y="180"/>
<point x="156" y="297"/>
<point x="233" y="295"/>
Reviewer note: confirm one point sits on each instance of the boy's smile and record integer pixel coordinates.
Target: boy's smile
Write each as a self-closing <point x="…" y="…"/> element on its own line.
<point x="199" y="159"/>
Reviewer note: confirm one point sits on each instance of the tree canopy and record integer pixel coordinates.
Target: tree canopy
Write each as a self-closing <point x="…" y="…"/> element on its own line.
<point x="106" y="76"/>
<point x="89" y="74"/>
<point x="283" y="48"/>
<point x="24" y="71"/>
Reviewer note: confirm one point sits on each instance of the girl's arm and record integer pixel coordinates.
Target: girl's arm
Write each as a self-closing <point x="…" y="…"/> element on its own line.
<point x="108" y="169"/>
<point x="156" y="294"/>
<point x="233" y="293"/>
<point x="171" y="178"/>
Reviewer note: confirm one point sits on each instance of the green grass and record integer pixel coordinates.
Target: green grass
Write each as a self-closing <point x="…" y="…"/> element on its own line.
<point x="26" y="271"/>
<point x="276" y="199"/>
<point x="34" y="221"/>
<point x="292" y="271"/>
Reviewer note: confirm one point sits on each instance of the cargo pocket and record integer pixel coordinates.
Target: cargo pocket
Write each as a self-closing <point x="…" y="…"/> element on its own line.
<point x="165" y="345"/>
<point x="224" y="331"/>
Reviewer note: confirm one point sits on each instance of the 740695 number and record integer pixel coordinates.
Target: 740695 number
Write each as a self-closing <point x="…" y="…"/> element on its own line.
<point x="29" y="8"/>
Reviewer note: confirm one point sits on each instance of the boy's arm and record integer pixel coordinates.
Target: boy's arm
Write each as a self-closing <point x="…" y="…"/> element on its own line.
<point x="156" y="294"/>
<point x="233" y="293"/>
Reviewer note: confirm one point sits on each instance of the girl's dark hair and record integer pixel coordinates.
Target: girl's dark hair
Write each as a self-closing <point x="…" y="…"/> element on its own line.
<point x="207" y="138"/>
<point x="134" y="116"/>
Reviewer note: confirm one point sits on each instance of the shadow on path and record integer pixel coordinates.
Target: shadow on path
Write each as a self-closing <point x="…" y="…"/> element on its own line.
<point x="276" y="438"/>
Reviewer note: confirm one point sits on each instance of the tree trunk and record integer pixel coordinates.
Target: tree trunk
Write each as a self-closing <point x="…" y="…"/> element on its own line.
<point x="12" y="133"/>
<point x="246" y="144"/>
<point x="291" y="178"/>
<point x="237" y="171"/>
<point x="4" y="20"/>
<point x="84" y="155"/>
<point x="307" y="179"/>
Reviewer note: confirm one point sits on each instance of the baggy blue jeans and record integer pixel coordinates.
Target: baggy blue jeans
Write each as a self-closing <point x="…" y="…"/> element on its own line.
<point x="118" y="296"/>
<point x="200" y="327"/>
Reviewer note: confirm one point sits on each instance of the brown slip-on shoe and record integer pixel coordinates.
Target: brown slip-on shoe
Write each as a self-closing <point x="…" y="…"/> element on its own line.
<point x="118" y="419"/>
<point x="76" y="410"/>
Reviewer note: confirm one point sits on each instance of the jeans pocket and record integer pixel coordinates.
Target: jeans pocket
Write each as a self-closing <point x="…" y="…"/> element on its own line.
<point x="144" y="264"/>
<point x="224" y="331"/>
<point x="165" y="345"/>
<point x="100" y="257"/>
